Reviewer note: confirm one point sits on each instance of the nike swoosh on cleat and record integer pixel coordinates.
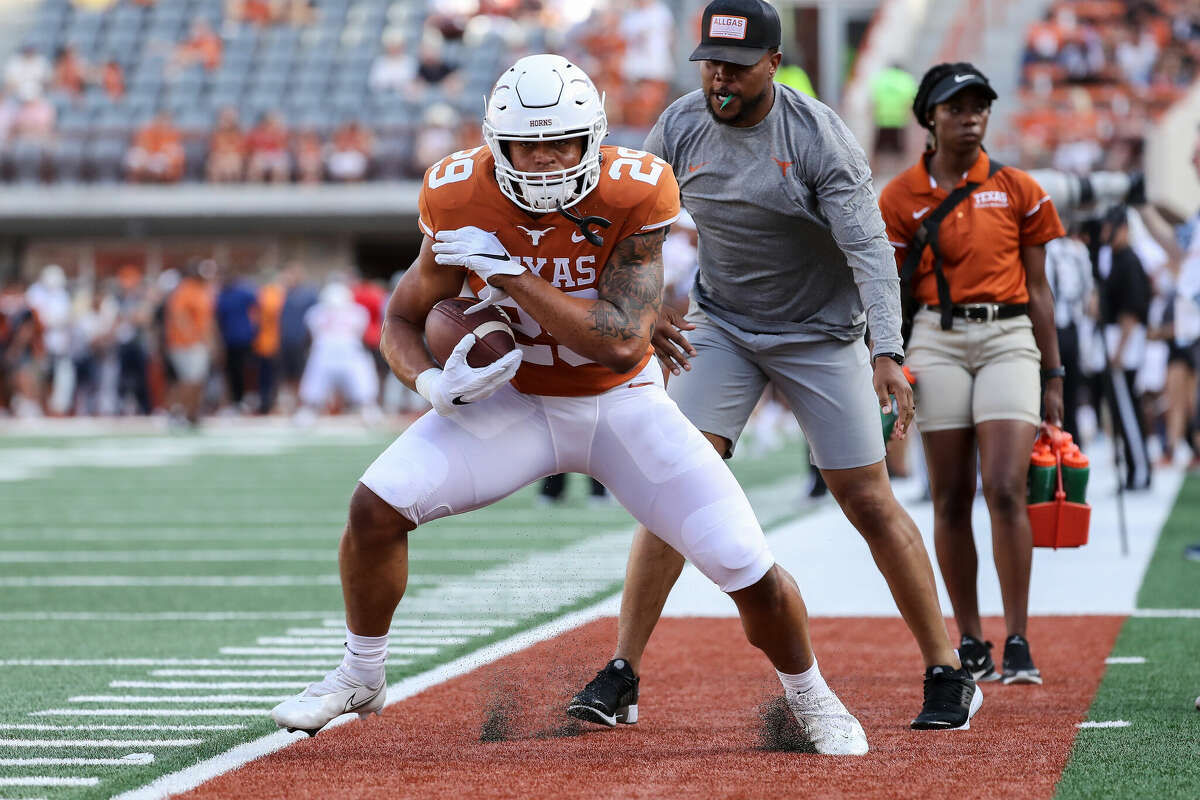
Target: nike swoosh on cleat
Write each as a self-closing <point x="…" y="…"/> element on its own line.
<point x="458" y="401"/>
<point x="353" y="706"/>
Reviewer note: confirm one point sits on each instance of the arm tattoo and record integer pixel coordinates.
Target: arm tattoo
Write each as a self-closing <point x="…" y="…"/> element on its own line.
<point x="630" y="286"/>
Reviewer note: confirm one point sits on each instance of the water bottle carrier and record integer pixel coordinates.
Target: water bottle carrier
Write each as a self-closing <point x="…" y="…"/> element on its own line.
<point x="1059" y="523"/>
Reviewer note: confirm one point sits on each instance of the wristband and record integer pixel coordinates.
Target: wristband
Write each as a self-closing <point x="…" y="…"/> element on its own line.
<point x="1054" y="372"/>
<point x="421" y="384"/>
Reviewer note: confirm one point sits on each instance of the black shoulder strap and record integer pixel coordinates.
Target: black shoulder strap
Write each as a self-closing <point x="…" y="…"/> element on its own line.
<point x="927" y="236"/>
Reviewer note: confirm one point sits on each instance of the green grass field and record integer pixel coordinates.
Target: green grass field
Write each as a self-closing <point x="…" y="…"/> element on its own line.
<point x="158" y="594"/>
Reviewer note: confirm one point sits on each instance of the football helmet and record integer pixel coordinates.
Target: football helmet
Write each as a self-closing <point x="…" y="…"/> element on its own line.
<point x="545" y="97"/>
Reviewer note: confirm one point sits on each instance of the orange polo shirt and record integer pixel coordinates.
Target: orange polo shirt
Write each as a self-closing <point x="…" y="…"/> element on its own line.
<point x="980" y="240"/>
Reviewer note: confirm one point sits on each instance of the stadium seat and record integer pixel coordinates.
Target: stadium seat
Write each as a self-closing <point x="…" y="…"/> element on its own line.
<point x="67" y="160"/>
<point x="27" y="160"/>
<point x="104" y="158"/>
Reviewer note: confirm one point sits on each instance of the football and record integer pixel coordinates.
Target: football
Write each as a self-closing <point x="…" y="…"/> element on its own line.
<point x="448" y="322"/>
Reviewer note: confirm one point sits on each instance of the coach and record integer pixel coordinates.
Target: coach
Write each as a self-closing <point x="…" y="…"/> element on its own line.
<point x="792" y="249"/>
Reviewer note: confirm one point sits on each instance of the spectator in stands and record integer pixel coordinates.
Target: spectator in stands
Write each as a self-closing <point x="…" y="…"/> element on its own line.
<point x="267" y="151"/>
<point x="226" y="149"/>
<point x="271" y="296"/>
<point x="112" y="80"/>
<point x="156" y="155"/>
<point x="31" y="136"/>
<point x="70" y="72"/>
<point x="433" y="70"/>
<point x="26" y="73"/>
<point x="189" y="330"/>
<point x="8" y="116"/>
<point x="203" y="47"/>
<point x="394" y="69"/>
<point x="350" y="152"/>
<point x="436" y="136"/>
<point x="310" y="156"/>
<point x="648" y="29"/>
<point x="300" y="296"/>
<point x="299" y="13"/>
<point x="237" y="321"/>
<point x="255" y="12"/>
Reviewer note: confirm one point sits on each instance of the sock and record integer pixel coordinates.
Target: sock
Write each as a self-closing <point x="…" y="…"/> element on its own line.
<point x="804" y="682"/>
<point x="364" y="657"/>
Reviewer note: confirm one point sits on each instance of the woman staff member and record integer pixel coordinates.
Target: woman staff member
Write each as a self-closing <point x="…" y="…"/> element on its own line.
<point x="983" y="348"/>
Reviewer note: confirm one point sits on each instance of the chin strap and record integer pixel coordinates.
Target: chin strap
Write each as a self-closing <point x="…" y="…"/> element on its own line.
<point x="585" y="225"/>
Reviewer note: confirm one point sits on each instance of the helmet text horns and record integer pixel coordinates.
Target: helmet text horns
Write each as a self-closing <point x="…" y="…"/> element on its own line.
<point x="544" y="98"/>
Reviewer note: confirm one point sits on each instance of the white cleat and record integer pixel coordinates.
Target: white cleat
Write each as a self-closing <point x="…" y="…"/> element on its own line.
<point x="326" y="700"/>
<point x="832" y="730"/>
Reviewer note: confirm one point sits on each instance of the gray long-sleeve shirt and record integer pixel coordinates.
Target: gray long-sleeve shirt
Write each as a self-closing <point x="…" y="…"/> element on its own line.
<point x="791" y="239"/>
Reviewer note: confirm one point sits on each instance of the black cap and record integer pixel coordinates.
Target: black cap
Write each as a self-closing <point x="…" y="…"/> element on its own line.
<point x="737" y="31"/>
<point x="954" y="83"/>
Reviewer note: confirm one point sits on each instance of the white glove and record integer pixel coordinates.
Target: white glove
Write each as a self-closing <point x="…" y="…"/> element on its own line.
<point x="460" y="384"/>
<point x="490" y="296"/>
<point x="477" y="250"/>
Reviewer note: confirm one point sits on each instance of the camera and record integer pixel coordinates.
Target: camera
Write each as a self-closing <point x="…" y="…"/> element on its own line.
<point x="1092" y="197"/>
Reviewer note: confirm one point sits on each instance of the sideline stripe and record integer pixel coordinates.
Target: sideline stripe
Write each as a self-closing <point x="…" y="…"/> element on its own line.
<point x="177" y="698"/>
<point x="1125" y="660"/>
<point x="1167" y="613"/>
<point x="445" y="630"/>
<point x="189" y="778"/>
<point x="428" y="622"/>
<point x="1114" y="723"/>
<point x="170" y="581"/>
<point x="131" y="760"/>
<point x="149" y="712"/>
<point x="100" y="742"/>
<point x="175" y="685"/>
<point x="43" y="780"/>
<point x="338" y="641"/>
<point x="174" y="662"/>
<point x="325" y="554"/>
<point x="33" y="726"/>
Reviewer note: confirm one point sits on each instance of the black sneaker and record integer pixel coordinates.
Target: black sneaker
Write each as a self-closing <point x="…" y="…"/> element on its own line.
<point x="1018" y="664"/>
<point x="976" y="656"/>
<point x="951" y="699"/>
<point x="609" y="698"/>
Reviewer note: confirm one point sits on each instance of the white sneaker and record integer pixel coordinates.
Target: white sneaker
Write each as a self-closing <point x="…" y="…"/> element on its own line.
<point x="326" y="700"/>
<point x="832" y="729"/>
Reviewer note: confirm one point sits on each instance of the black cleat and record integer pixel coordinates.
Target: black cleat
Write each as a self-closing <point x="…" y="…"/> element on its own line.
<point x="951" y="699"/>
<point x="1018" y="663"/>
<point x="609" y="698"/>
<point x="976" y="657"/>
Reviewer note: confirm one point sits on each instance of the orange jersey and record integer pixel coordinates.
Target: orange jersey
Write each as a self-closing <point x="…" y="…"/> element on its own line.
<point x="637" y="193"/>
<point x="980" y="240"/>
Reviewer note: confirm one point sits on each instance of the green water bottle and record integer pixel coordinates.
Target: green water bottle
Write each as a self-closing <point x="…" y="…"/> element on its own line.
<point x="888" y="418"/>
<point x="1075" y="475"/>
<point x="1043" y="476"/>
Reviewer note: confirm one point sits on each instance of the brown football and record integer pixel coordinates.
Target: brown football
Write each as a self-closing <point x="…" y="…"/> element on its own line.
<point x="448" y="322"/>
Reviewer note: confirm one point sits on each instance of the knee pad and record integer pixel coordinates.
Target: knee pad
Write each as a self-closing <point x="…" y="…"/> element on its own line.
<point x="725" y="542"/>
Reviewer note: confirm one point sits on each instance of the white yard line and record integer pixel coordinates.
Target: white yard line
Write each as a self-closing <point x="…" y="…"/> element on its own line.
<point x="1167" y="613"/>
<point x="238" y="673"/>
<point x="148" y="712"/>
<point x="232" y="554"/>
<point x="338" y="641"/>
<point x="420" y="622"/>
<point x="33" y="726"/>
<point x="1115" y="723"/>
<point x="176" y="698"/>
<point x="100" y="742"/>
<point x="176" y="685"/>
<point x="407" y="630"/>
<point x="319" y="651"/>
<point x="174" y="662"/>
<point x="1125" y="660"/>
<point x="127" y="581"/>
<point x="46" y="780"/>
<point x="161" y="616"/>
<point x="130" y="760"/>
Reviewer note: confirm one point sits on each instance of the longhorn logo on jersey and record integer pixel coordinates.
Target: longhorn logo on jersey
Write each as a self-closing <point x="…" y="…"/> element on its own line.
<point x="637" y="191"/>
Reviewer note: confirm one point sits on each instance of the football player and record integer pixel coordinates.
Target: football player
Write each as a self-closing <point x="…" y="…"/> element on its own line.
<point x="566" y="236"/>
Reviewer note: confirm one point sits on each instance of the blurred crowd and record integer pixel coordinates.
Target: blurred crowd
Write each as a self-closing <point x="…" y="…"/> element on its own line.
<point x="210" y="340"/>
<point x="1095" y="71"/>
<point x="419" y="98"/>
<point x="195" y="342"/>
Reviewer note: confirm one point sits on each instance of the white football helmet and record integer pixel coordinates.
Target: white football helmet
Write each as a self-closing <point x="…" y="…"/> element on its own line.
<point x="545" y="97"/>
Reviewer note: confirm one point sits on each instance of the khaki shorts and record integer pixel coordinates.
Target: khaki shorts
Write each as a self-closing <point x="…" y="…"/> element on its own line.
<point x="974" y="372"/>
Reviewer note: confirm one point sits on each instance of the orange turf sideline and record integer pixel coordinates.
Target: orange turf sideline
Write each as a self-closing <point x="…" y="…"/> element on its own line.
<point x="699" y="731"/>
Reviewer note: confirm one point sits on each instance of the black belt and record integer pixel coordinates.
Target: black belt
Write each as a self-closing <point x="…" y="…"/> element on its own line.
<point x="985" y="312"/>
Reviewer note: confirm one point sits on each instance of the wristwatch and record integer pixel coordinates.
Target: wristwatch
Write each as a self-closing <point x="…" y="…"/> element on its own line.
<point x="1054" y="372"/>
<point x="899" y="359"/>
